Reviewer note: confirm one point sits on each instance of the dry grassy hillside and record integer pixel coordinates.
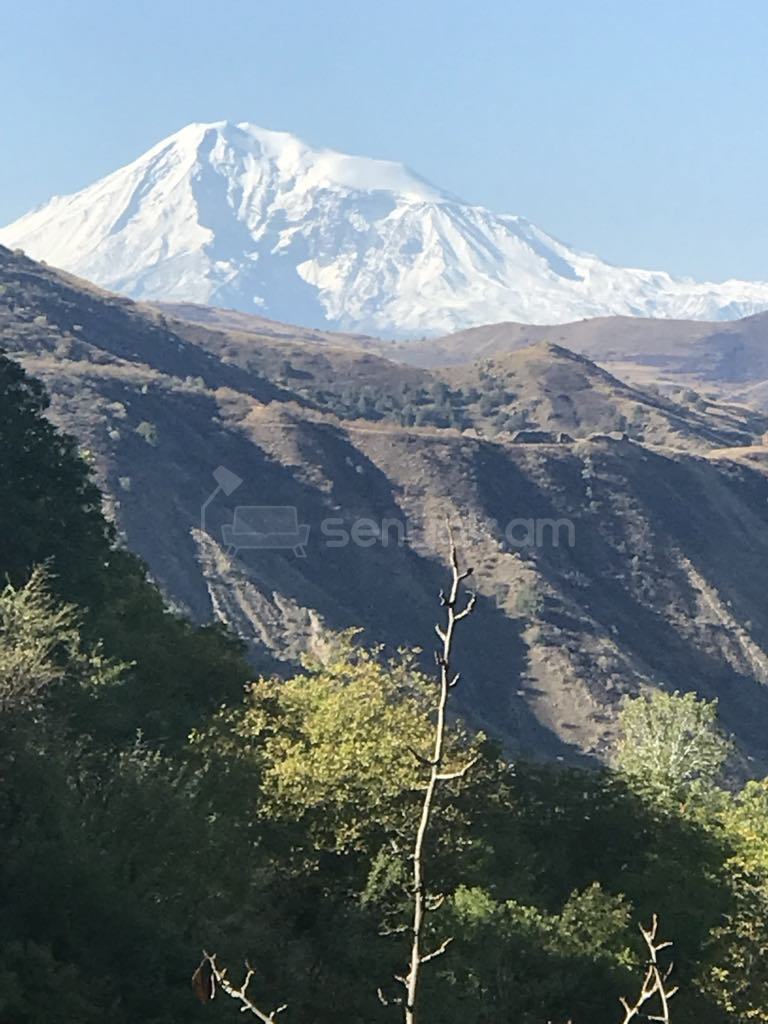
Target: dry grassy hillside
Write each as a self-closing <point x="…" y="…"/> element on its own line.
<point x="602" y="566"/>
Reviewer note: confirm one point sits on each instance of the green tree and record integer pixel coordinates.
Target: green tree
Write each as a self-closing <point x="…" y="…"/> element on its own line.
<point x="50" y="510"/>
<point x="735" y="971"/>
<point x="670" y="741"/>
<point x="519" y="962"/>
<point x="50" y="514"/>
<point x="40" y="646"/>
<point x="336" y="745"/>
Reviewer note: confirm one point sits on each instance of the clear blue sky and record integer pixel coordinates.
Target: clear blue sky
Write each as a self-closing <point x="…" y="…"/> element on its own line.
<point x="637" y="130"/>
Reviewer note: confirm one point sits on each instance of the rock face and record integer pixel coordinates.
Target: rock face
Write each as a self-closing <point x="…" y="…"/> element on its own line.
<point x="601" y="568"/>
<point x="238" y="216"/>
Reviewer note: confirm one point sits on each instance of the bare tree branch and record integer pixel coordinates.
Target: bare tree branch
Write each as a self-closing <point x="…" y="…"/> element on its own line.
<point x="654" y="982"/>
<point x="447" y="776"/>
<point x="397" y="930"/>
<point x="437" y="952"/>
<point x="419" y="757"/>
<point x="216" y="978"/>
<point x="388" y="1002"/>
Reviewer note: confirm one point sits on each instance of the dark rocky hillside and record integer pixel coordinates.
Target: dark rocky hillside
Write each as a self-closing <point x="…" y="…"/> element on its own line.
<point x="602" y="566"/>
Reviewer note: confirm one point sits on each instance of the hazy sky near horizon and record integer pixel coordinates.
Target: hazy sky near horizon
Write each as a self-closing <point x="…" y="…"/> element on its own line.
<point x="635" y="130"/>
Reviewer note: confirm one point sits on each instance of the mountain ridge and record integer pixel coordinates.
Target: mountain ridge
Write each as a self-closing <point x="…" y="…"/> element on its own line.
<point x="256" y="220"/>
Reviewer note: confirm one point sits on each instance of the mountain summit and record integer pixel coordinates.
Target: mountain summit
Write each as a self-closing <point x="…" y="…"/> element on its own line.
<point x="238" y="216"/>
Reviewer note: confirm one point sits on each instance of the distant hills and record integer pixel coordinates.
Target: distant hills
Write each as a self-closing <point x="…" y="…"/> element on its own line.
<point x="238" y="216"/>
<point x="730" y="355"/>
<point x="634" y="559"/>
<point x="726" y="359"/>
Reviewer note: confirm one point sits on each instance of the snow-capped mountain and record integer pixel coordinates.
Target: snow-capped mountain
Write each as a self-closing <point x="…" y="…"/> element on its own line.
<point x="238" y="216"/>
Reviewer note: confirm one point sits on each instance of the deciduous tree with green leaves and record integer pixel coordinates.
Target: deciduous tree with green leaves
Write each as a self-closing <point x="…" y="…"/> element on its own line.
<point x="670" y="741"/>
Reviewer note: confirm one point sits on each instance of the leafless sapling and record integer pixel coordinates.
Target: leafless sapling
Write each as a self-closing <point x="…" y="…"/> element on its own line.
<point x="456" y="609"/>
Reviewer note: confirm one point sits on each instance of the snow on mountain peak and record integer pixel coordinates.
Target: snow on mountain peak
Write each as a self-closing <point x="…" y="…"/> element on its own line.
<point x="224" y="143"/>
<point x="242" y="216"/>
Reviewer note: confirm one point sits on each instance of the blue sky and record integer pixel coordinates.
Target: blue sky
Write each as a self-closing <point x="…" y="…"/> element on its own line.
<point x="636" y="130"/>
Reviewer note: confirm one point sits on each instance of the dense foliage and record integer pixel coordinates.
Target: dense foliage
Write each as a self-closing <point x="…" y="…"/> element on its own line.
<point x="152" y="806"/>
